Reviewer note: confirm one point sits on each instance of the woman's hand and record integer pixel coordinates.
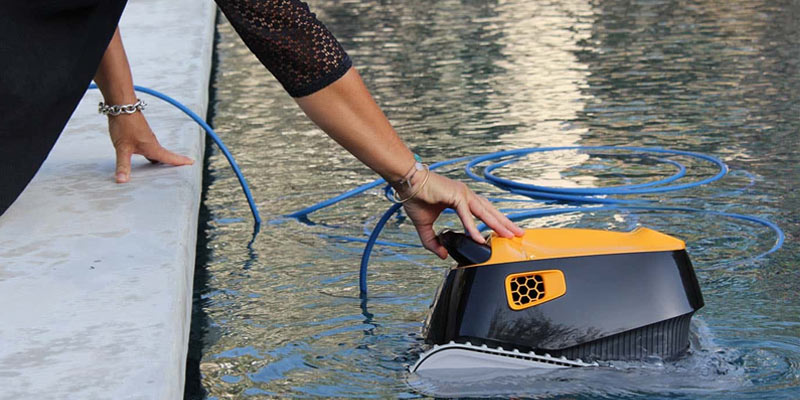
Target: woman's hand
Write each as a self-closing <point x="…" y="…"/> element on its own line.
<point x="131" y="135"/>
<point x="439" y="193"/>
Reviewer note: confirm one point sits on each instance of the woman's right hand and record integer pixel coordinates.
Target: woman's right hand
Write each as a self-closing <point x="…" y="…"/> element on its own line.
<point x="439" y="193"/>
<point x="131" y="134"/>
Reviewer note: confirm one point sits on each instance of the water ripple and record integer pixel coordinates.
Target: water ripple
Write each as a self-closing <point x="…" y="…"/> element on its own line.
<point x="282" y="317"/>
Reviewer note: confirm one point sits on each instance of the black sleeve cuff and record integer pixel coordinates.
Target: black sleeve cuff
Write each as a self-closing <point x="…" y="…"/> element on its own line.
<point x="323" y="81"/>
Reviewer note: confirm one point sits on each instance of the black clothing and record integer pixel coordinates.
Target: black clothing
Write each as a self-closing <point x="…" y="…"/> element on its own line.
<point x="50" y="50"/>
<point x="289" y="40"/>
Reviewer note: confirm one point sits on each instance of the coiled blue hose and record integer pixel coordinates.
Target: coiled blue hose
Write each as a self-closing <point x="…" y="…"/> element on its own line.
<point x="657" y="186"/>
<point x="570" y="195"/>
<point x="213" y="135"/>
<point x="574" y="195"/>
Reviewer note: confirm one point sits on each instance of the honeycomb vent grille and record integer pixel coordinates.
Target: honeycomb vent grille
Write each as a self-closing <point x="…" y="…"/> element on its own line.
<point x="527" y="289"/>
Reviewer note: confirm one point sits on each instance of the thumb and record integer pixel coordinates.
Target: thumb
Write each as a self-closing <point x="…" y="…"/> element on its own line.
<point x="429" y="240"/>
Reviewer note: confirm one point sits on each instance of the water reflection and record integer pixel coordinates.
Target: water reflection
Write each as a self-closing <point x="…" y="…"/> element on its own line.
<point x="283" y="317"/>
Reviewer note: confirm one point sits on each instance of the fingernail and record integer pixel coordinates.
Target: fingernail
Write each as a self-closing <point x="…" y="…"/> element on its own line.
<point x="121" y="177"/>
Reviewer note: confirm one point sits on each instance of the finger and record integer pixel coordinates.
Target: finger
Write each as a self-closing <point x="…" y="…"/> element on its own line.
<point x="463" y="211"/>
<point x="485" y="214"/>
<point x="155" y="153"/>
<point x="482" y="209"/>
<point x="429" y="240"/>
<point x="123" y="170"/>
<point x="500" y="223"/>
<point x="509" y="224"/>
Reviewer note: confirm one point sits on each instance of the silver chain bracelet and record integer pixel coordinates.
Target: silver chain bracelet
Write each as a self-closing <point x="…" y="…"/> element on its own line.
<point x="114" y="110"/>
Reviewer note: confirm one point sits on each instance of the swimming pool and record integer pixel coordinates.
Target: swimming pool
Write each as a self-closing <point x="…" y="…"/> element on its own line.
<point x="283" y="318"/>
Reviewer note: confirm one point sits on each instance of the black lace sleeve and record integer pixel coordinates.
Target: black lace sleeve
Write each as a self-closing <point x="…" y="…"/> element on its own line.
<point x="289" y="40"/>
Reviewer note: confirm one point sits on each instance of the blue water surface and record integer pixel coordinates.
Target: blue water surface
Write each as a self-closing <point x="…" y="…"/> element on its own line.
<point x="282" y="318"/>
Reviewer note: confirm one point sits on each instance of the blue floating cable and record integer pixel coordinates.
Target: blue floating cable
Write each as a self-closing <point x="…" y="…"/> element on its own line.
<point x="362" y="275"/>
<point x="658" y="186"/>
<point x="549" y="194"/>
<point x="535" y="192"/>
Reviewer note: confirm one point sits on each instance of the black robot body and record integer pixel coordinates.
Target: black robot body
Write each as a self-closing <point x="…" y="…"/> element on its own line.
<point x="580" y="294"/>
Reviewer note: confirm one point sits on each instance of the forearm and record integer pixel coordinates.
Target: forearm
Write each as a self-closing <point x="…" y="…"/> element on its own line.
<point x="113" y="75"/>
<point x="347" y="113"/>
<point x="309" y="62"/>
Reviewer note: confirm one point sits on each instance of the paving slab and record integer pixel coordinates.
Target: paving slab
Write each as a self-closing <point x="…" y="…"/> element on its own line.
<point x="96" y="277"/>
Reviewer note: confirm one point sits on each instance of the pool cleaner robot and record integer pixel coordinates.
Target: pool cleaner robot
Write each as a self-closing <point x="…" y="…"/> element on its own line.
<point x="561" y="298"/>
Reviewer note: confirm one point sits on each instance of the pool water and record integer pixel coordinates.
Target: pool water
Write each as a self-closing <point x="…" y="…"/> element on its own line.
<point x="282" y="318"/>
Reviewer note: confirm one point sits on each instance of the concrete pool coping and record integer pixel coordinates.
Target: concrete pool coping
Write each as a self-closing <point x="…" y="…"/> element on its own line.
<point x="96" y="277"/>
